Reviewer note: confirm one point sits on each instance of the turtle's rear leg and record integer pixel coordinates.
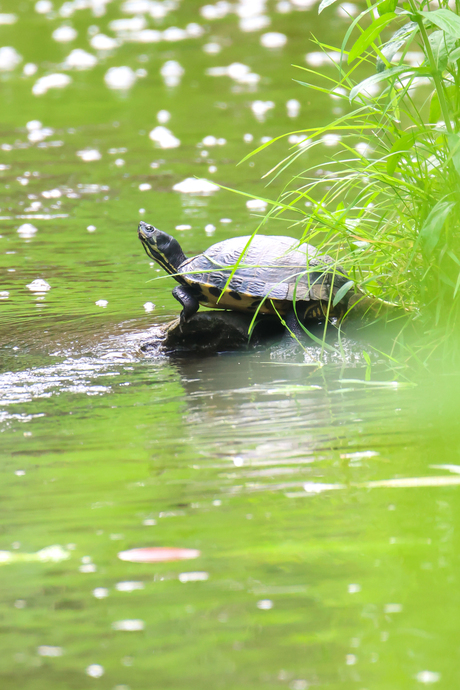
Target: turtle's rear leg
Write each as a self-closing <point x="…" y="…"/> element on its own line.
<point x="189" y="302"/>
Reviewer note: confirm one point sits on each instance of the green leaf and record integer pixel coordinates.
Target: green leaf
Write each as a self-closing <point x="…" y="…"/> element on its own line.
<point x="324" y="4"/>
<point x="387" y="6"/>
<point x="444" y="19"/>
<point x="369" y="35"/>
<point x="381" y="76"/>
<point x="341" y="292"/>
<point x="442" y="45"/>
<point x="454" y="146"/>
<point x="430" y="233"/>
<point x="454" y="55"/>
<point x="405" y="143"/>
<point x="435" y="109"/>
<point x="396" y="42"/>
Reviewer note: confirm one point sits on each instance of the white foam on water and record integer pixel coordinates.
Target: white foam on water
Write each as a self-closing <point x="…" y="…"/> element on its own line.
<point x="319" y="59"/>
<point x="144" y="187"/>
<point x="148" y="306"/>
<point x="163" y="116"/>
<point x="132" y="24"/>
<point x="9" y="59"/>
<point x="103" y="42"/>
<point x="130" y="625"/>
<point x="256" y="205"/>
<point x="261" y="108"/>
<point x="95" y="670"/>
<point x="41" y="134"/>
<point x="27" y="230"/>
<point x="79" y="59"/>
<point x="120" y="78"/>
<point x="173" y="34"/>
<point x="129" y="586"/>
<point x="194" y="30"/>
<point x="64" y="34"/>
<point x="293" y="107"/>
<point x="273" y="39"/>
<point x="172" y="72"/>
<point x="8" y="18"/>
<point x="144" y="36"/>
<point x="136" y="7"/>
<point x="52" y="194"/>
<point x="347" y="9"/>
<point x="265" y="604"/>
<point x="193" y="577"/>
<point x="101" y="303"/>
<point x="217" y="11"/>
<point x="47" y="650"/>
<point x="100" y="592"/>
<point x="50" y="81"/>
<point x="88" y="155"/>
<point x="192" y="185"/>
<point x="256" y="23"/>
<point x="164" y="138"/>
<point x="427" y="677"/>
<point x="39" y="286"/>
<point x="29" y="69"/>
<point x="43" y="6"/>
<point x="212" y="48"/>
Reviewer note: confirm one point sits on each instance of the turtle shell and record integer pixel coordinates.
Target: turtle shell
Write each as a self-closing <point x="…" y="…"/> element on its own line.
<point x="278" y="269"/>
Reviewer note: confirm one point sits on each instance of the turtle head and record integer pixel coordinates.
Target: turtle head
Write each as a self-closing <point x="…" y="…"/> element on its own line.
<point x="161" y="247"/>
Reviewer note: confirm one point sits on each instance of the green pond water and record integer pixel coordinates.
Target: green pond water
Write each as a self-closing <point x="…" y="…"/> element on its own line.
<point x="325" y="507"/>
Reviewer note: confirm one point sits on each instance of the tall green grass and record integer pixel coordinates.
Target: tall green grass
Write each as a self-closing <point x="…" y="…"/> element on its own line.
<point x="389" y="203"/>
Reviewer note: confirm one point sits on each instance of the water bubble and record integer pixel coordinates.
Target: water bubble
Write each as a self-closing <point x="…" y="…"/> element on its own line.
<point x="255" y="23"/>
<point x="27" y="230"/>
<point x="283" y="7"/>
<point x="194" y="30"/>
<point x="121" y="78"/>
<point x="393" y="608"/>
<point x="293" y="107"/>
<point x="50" y="81"/>
<point x="193" y="577"/>
<point x="80" y="59"/>
<point x="119" y="162"/>
<point x="95" y="670"/>
<point x="428" y="677"/>
<point x="212" y="48"/>
<point x="217" y="11"/>
<point x="39" y="286"/>
<point x="331" y="139"/>
<point x="157" y="554"/>
<point x="45" y="650"/>
<point x="4" y="294"/>
<point x="144" y="187"/>
<point x="261" y="108"/>
<point x="149" y="522"/>
<point x="256" y="205"/>
<point x="164" y="138"/>
<point x="9" y="58"/>
<point x="195" y="186"/>
<point x="43" y="6"/>
<point x="354" y="589"/>
<point x="347" y="9"/>
<point x="8" y="18"/>
<point x="149" y="306"/>
<point x="103" y="42"/>
<point x="212" y="169"/>
<point x="91" y="228"/>
<point x="88" y="155"/>
<point x="210" y="229"/>
<point x="351" y="659"/>
<point x="136" y="6"/>
<point x="64" y="34"/>
<point x="100" y="592"/>
<point x="248" y="138"/>
<point x="225" y="221"/>
<point x="163" y="116"/>
<point x="265" y="604"/>
<point x="273" y="39"/>
<point x="172" y="72"/>
<point x="173" y="34"/>
<point x="101" y="303"/>
<point x="29" y="69"/>
<point x="88" y="567"/>
<point x="128" y="625"/>
<point x="129" y="586"/>
<point x="132" y="24"/>
<point x="142" y="210"/>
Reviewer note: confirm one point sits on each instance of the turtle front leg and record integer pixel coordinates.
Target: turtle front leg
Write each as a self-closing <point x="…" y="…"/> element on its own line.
<point x="189" y="302"/>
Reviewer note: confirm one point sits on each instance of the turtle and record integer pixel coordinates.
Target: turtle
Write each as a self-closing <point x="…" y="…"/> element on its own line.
<point x="275" y="275"/>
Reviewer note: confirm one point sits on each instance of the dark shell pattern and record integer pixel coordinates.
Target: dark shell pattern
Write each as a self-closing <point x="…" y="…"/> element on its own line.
<point x="273" y="267"/>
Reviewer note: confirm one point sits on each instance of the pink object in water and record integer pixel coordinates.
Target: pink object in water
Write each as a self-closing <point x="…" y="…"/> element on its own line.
<point x="158" y="554"/>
